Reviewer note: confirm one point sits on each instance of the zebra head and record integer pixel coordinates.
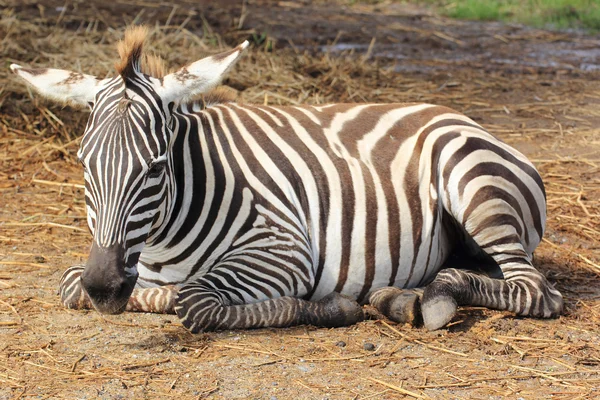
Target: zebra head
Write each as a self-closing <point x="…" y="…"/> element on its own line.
<point x="125" y="154"/>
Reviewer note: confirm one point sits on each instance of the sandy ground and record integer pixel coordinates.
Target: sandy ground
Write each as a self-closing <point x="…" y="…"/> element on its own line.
<point x="536" y="90"/>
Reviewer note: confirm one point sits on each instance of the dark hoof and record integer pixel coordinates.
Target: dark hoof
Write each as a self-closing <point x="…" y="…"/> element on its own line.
<point x="405" y="308"/>
<point x="340" y="310"/>
<point x="399" y="305"/>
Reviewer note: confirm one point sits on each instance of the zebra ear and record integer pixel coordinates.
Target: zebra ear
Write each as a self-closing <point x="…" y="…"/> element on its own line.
<point x="198" y="77"/>
<point x="60" y="85"/>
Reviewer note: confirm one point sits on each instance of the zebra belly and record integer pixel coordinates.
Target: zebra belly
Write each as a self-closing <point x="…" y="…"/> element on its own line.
<point x="417" y="265"/>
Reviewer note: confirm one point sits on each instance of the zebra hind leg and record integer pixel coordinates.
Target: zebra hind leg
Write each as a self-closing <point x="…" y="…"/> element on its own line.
<point x="202" y="308"/>
<point x="399" y="305"/>
<point x="526" y="293"/>
<point x="156" y="300"/>
<point x="498" y="214"/>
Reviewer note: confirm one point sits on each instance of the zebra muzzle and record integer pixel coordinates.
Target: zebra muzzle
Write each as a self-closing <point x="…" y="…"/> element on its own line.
<point x="106" y="280"/>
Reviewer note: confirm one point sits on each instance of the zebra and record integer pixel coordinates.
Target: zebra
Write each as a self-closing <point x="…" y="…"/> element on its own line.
<point x="238" y="216"/>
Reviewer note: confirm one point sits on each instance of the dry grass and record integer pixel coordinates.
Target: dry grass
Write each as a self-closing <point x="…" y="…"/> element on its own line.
<point x="51" y="352"/>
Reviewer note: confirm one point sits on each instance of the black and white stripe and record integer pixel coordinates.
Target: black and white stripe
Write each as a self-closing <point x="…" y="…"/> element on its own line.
<point x="262" y="202"/>
<point x="240" y="216"/>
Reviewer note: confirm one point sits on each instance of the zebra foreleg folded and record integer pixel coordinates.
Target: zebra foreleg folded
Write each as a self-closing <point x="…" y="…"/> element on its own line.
<point x="156" y="300"/>
<point x="525" y="292"/>
<point x="202" y="308"/>
<point x="71" y="291"/>
<point x="399" y="305"/>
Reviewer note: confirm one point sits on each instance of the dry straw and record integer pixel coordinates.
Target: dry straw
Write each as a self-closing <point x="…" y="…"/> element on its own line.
<point x="51" y="352"/>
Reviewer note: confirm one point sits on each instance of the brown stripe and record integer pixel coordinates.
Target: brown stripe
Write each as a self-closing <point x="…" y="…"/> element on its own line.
<point x="370" y="239"/>
<point x="497" y="220"/>
<point x="346" y="190"/>
<point x="486" y="193"/>
<point x="472" y="144"/>
<point x="386" y="150"/>
<point x="434" y="204"/>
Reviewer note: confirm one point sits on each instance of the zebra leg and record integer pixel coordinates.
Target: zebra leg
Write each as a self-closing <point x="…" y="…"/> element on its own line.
<point x="496" y="211"/>
<point x="201" y="307"/>
<point x="159" y="300"/>
<point x="399" y="305"/>
<point x="524" y="291"/>
<point x="71" y="291"/>
<point x="156" y="300"/>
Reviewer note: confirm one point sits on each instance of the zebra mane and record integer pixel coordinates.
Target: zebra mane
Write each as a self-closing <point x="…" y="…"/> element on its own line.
<point x="154" y="65"/>
<point x="133" y="59"/>
<point x="219" y="95"/>
<point x="130" y="51"/>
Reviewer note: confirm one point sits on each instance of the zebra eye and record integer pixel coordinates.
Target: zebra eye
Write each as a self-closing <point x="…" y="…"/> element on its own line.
<point x="156" y="168"/>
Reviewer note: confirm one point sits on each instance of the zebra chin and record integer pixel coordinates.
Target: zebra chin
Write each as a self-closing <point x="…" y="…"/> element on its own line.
<point x="112" y="307"/>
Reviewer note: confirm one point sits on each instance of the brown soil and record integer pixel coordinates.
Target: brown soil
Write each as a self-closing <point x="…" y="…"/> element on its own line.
<point x="536" y="90"/>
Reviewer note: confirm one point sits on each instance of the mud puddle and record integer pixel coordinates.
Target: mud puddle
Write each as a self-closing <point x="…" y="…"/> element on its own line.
<point x="411" y="37"/>
<point x="559" y="55"/>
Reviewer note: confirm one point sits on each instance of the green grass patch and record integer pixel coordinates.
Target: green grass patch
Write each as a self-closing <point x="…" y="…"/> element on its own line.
<point x="551" y="14"/>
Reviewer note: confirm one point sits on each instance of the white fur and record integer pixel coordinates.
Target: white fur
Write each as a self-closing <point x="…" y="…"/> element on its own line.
<point x="80" y="89"/>
<point x="203" y="75"/>
<point x="60" y="85"/>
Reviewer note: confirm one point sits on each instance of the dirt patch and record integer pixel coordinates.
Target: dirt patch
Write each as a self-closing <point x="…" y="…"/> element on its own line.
<point x="549" y="111"/>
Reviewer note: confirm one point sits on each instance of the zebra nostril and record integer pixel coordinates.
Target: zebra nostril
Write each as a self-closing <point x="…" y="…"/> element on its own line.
<point x="106" y="279"/>
<point x="109" y="292"/>
<point x="124" y="290"/>
<point x="103" y="290"/>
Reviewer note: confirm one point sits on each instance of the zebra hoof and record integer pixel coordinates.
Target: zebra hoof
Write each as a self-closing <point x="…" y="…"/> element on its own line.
<point x="438" y="311"/>
<point x="399" y="305"/>
<point x="406" y="308"/>
<point x="340" y="310"/>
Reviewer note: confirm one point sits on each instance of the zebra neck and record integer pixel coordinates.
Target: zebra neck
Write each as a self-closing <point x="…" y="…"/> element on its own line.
<point x="204" y="186"/>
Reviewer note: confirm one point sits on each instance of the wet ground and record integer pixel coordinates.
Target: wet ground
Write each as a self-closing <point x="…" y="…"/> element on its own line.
<point x="413" y="36"/>
<point x="536" y="90"/>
